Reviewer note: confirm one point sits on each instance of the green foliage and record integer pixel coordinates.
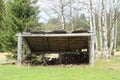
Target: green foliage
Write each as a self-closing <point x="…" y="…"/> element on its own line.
<point x="1" y="13"/>
<point x="118" y="48"/>
<point x="52" y="24"/>
<point x="79" y="23"/>
<point x="1" y="20"/>
<point x="82" y="23"/>
<point x="20" y="16"/>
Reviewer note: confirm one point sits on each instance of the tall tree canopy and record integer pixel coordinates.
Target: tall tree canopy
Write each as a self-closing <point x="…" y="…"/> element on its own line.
<point x="1" y="19"/>
<point x="20" y="15"/>
<point x="1" y="12"/>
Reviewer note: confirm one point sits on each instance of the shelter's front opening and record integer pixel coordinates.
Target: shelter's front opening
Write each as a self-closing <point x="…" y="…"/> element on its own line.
<point x="70" y="48"/>
<point x="76" y="58"/>
<point x="56" y="59"/>
<point x="66" y="58"/>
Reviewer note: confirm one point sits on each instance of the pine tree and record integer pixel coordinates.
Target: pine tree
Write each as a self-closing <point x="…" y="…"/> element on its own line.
<point x="1" y="20"/>
<point x="20" y="16"/>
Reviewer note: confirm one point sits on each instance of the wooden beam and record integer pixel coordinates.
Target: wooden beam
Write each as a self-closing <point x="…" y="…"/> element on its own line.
<point x="57" y="35"/>
<point x="19" y="51"/>
<point x="91" y="55"/>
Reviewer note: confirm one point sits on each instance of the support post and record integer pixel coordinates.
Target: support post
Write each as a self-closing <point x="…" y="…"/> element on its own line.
<point x="19" y="51"/>
<point x="91" y="55"/>
<point x="60" y="58"/>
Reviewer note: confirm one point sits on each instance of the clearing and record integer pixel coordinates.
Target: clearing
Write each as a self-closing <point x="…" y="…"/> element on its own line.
<point x="105" y="70"/>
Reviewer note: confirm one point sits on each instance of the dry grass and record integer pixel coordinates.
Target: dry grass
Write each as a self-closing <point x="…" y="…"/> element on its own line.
<point x="3" y="57"/>
<point x="118" y="53"/>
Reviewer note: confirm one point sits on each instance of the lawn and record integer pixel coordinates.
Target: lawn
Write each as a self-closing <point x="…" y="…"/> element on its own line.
<point x="103" y="70"/>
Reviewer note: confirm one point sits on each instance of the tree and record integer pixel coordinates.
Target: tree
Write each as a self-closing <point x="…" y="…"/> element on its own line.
<point x="20" y="15"/>
<point x="56" y="7"/>
<point x="1" y="12"/>
<point x="52" y="24"/>
<point x="100" y="28"/>
<point x="112" y="26"/>
<point x="1" y="20"/>
<point x="81" y="22"/>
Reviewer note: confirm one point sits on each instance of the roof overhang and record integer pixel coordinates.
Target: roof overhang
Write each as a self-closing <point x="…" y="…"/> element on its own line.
<point x="56" y="42"/>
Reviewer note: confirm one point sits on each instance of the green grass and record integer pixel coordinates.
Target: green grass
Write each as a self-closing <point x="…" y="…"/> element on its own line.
<point x="103" y="70"/>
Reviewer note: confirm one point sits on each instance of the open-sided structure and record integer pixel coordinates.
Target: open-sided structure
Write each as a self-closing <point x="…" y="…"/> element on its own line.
<point x="57" y="43"/>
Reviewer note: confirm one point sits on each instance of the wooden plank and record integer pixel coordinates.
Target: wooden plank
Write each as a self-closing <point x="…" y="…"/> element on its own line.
<point x="19" y="52"/>
<point x="67" y="44"/>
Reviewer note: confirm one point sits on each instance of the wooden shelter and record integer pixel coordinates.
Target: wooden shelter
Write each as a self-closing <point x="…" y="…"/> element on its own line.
<point x="57" y="43"/>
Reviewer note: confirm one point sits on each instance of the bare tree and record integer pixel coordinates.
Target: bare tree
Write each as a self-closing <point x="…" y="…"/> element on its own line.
<point x="112" y="27"/>
<point x="90" y="16"/>
<point x="104" y="26"/>
<point x="71" y="15"/>
<point x="100" y="28"/>
<point x="56" y="7"/>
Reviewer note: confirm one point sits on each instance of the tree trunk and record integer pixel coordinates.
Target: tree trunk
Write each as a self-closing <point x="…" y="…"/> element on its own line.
<point x="71" y="16"/>
<point x="62" y="19"/>
<point x="104" y="22"/>
<point x="90" y="13"/>
<point x="100" y="33"/>
<point x="62" y="15"/>
<point x="115" y="35"/>
<point x="111" y="28"/>
<point x="95" y="37"/>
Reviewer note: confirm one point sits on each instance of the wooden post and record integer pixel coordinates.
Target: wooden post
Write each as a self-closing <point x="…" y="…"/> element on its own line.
<point x="60" y="58"/>
<point x="91" y="56"/>
<point x="19" y="52"/>
<point x="42" y="56"/>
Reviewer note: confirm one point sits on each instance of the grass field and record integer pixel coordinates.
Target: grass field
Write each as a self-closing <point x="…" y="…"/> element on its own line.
<point x="103" y="70"/>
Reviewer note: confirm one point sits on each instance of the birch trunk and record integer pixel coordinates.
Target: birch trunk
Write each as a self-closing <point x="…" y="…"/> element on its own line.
<point x="111" y="27"/>
<point x="100" y="33"/>
<point x="62" y="19"/>
<point x="90" y="13"/>
<point x="104" y="22"/>
<point x="71" y="16"/>
<point x="115" y="37"/>
<point x="95" y="37"/>
<point x="62" y="14"/>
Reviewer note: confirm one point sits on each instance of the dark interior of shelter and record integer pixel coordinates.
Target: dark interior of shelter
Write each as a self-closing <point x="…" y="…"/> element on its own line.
<point x="64" y="50"/>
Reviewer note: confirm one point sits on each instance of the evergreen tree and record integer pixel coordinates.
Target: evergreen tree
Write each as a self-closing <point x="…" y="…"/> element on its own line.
<point x="1" y="20"/>
<point x="20" y="16"/>
<point x="1" y="13"/>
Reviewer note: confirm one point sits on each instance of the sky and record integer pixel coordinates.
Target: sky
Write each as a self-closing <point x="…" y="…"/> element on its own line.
<point x="46" y="12"/>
